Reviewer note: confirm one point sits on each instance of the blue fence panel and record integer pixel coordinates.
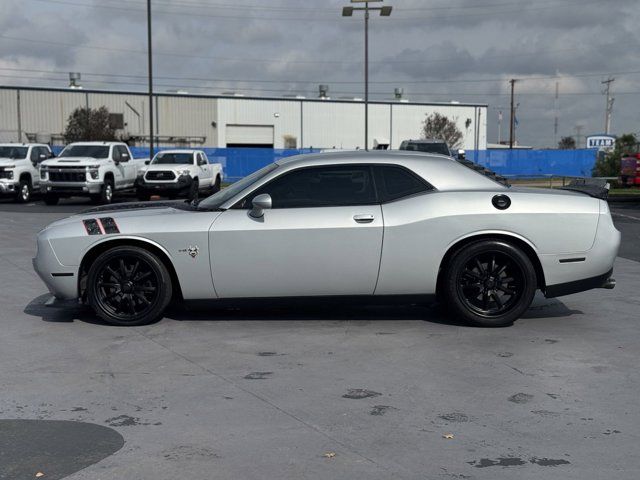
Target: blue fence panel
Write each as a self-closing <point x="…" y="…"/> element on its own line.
<point x="240" y="162"/>
<point x="576" y="163"/>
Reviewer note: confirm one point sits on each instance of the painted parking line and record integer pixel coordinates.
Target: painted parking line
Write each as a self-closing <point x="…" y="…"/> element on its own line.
<point x="625" y="216"/>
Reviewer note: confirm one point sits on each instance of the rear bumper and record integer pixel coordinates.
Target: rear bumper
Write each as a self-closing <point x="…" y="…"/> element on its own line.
<point x="576" y="272"/>
<point x="599" y="281"/>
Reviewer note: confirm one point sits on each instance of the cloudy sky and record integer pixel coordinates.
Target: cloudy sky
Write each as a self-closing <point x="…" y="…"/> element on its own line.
<point x="437" y="50"/>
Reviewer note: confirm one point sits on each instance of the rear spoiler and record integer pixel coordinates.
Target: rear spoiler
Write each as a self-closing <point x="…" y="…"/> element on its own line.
<point x="594" y="187"/>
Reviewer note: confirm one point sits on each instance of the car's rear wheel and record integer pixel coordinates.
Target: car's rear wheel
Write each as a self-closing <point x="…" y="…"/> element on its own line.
<point x="489" y="283"/>
<point x="128" y="286"/>
<point x="194" y="190"/>
<point x="216" y="185"/>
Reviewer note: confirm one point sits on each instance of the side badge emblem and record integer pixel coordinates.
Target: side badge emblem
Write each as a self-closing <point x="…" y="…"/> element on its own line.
<point x="192" y="251"/>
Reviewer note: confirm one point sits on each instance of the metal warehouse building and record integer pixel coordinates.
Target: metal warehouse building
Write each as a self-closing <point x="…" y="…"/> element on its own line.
<point x="27" y="114"/>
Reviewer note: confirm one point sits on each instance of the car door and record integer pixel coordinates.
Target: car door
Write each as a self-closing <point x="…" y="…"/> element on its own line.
<point x="322" y="236"/>
<point x="119" y="167"/>
<point x="204" y="170"/>
<point x="128" y="166"/>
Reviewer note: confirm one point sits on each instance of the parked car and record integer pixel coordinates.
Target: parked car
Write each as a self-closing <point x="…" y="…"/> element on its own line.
<point x="630" y="170"/>
<point x="313" y="226"/>
<point x="96" y="170"/>
<point x="174" y="173"/>
<point x="19" y="175"/>
<point x="427" y="145"/>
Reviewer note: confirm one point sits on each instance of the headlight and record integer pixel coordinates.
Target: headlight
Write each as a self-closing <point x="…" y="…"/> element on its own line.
<point x="184" y="173"/>
<point x="141" y="172"/>
<point x="94" y="174"/>
<point x="9" y="174"/>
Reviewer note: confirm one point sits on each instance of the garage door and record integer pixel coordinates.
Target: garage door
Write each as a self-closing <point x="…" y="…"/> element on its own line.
<point x="250" y="135"/>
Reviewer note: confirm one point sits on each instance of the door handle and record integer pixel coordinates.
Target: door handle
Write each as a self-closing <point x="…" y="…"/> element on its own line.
<point x="364" y="218"/>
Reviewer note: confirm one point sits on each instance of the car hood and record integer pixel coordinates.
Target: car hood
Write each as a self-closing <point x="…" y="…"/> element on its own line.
<point x="72" y="162"/>
<point x="131" y="212"/>
<point x="9" y="161"/>
<point x="174" y="167"/>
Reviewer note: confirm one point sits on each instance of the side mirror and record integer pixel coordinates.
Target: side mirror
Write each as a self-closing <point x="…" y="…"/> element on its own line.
<point x="42" y="156"/>
<point x="260" y="204"/>
<point x="147" y="162"/>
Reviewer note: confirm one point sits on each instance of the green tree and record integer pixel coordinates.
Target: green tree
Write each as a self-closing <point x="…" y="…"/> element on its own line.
<point x="609" y="165"/>
<point x="440" y="127"/>
<point x="89" y="124"/>
<point x="567" y="143"/>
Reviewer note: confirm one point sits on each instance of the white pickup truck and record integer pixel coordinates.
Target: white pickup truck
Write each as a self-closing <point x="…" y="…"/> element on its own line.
<point x="19" y="168"/>
<point x="174" y="173"/>
<point x="89" y="169"/>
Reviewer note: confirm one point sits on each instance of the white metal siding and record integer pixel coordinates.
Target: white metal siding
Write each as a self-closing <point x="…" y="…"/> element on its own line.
<point x="250" y="134"/>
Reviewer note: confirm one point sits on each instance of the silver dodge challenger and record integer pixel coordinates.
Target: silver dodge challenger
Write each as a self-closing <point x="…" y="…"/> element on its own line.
<point x="374" y="225"/>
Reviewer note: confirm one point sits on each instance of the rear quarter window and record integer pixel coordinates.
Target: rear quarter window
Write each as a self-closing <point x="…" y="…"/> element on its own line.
<point x="394" y="182"/>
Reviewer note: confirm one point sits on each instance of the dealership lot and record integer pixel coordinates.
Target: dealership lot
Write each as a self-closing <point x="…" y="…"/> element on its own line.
<point x="316" y="391"/>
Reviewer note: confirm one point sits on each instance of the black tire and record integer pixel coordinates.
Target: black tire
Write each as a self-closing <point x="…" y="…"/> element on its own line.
<point x="216" y="185"/>
<point x="50" y="199"/>
<point x="489" y="283"/>
<point x="129" y="286"/>
<point x="194" y="190"/>
<point x="23" y="195"/>
<point x="106" y="193"/>
<point x="142" y="195"/>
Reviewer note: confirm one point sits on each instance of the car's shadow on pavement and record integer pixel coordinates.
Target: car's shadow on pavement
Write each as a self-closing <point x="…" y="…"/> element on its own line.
<point x="296" y="310"/>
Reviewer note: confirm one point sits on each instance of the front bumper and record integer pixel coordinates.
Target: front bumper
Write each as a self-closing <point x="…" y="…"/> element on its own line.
<point x="8" y="187"/>
<point x="181" y="184"/>
<point x="70" y="188"/>
<point x="61" y="280"/>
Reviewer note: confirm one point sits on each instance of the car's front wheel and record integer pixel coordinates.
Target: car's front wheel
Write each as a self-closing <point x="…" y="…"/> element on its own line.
<point x="128" y="286"/>
<point x="24" y="191"/>
<point x="489" y="283"/>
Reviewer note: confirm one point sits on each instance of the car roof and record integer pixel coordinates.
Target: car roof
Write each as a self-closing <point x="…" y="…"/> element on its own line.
<point x="97" y="143"/>
<point x="16" y="144"/>
<point x="441" y="171"/>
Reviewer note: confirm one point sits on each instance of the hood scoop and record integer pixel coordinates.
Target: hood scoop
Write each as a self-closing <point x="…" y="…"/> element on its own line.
<point x="179" y="204"/>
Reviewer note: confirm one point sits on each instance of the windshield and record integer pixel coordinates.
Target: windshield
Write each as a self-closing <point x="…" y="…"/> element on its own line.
<point x="16" y="153"/>
<point x="172" y="158"/>
<point x="214" y="201"/>
<point x="93" y="151"/>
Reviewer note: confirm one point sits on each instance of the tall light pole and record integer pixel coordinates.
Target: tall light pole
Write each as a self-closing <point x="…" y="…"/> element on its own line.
<point x="513" y="114"/>
<point x="150" y="76"/>
<point x="384" y="12"/>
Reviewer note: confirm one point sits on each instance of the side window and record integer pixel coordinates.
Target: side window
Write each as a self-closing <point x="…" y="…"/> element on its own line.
<point x="395" y="182"/>
<point x="124" y="154"/>
<point x="330" y="186"/>
<point x="116" y="154"/>
<point x="35" y="154"/>
<point x="200" y="159"/>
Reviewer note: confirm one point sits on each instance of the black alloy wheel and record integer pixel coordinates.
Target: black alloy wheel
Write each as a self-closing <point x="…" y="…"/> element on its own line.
<point x="489" y="283"/>
<point x="129" y="286"/>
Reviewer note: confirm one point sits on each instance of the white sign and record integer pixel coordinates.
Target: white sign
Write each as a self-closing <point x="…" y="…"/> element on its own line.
<point x="601" y="141"/>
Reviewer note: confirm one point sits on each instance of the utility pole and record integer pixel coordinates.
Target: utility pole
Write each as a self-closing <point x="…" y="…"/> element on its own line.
<point x="150" y="75"/>
<point x="557" y="114"/>
<point x="384" y="12"/>
<point x="513" y="116"/>
<point x="609" y="106"/>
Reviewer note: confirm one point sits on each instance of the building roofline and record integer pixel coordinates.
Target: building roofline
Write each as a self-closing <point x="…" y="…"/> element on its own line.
<point x="243" y="97"/>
